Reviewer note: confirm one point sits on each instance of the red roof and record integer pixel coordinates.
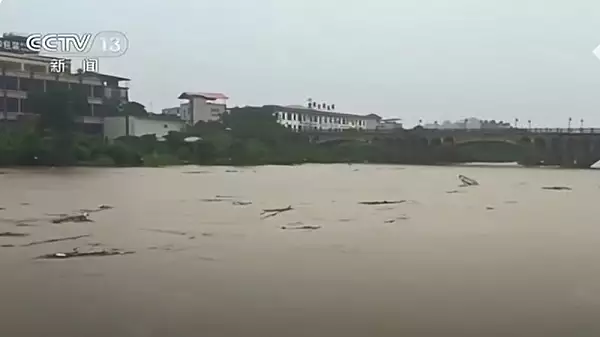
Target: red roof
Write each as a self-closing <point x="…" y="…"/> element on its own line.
<point x="206" y="95"/>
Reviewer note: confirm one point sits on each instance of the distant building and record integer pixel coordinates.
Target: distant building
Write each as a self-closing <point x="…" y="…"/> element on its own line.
<point x="201" y="106"/>
<point x="468" y="123"/>
<point x="390" y="124"/>
<point x="300" y="118"/>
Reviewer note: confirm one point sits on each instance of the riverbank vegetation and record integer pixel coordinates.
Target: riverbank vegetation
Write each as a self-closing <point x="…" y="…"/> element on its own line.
<point x="245" y="136"/>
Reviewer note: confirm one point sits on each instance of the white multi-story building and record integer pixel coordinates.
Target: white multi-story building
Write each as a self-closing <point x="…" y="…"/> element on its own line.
<point x="301" y="118"/>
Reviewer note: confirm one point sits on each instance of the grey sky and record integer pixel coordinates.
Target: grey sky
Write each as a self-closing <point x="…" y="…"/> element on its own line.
<point x="429" y="59"/>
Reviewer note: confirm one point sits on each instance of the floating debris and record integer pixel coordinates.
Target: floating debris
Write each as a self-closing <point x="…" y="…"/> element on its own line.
<point x="345" y="220"/>
<point x="74" y="218"/>
<point x="7" y="246"/>
<point x="225" y="196"/>
<point x="241" y="203"/>
<point x="208" y="235"/>
<point x="511" y="202"/>
<point x="77" y="253"/>
<point x="384" y="202"/>
<point x="454" y="192"/>
<point x="35" y="243"/>
<point x="300" y="226"/>
<point x="99" y="209"/>
<point x="557" y="188"/>
<point x="213" y="200"/>
<point x="489" y="208"/>
<point x="196" y="172"/>
<point x="57" y="214"/>
<point x="231" y="171"/>
<point x="165" y="231"/>
<point x="2" y="208"/>
<point x="22" y="224"/>
<point x="25" y="204"/>
<point x="168" y="247"/>
<point x="13" y="235"/>
<point x="467" y="181"/>
<point x="402" y="217"/>
<point x="267" y="213"/>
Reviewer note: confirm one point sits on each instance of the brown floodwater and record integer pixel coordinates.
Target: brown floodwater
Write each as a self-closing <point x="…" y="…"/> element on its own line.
<point x="506" y="258"/>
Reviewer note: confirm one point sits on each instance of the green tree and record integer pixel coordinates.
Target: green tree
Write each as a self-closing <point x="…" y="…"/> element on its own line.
<point x="58" y="109"/>
<point x="134" y="109"/>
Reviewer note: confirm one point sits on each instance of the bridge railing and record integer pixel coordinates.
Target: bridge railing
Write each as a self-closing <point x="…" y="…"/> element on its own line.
<point x="504" y="130"/>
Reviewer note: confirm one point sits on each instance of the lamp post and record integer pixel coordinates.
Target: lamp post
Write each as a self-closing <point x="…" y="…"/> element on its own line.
<point x="529" y="124"/>
<point x="466" y="121"/>
<point x="581" y="125"/>
<point x="569" y="125"/>
<point x="516" y="122"/>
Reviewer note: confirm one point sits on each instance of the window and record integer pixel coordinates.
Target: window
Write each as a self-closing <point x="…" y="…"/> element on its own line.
<point x="12" y="104"/>
<point x="97" y="91"/>
<point x="11" y="83"/>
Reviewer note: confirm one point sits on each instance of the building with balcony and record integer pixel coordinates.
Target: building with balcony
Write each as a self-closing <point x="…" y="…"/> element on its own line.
<point x="200" y="107"/>
<point x="23" y="72"/>
<point x="300" y="118"/>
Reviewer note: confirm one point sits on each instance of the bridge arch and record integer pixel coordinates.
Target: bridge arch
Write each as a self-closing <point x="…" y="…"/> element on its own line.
<point x="485" y="140"/>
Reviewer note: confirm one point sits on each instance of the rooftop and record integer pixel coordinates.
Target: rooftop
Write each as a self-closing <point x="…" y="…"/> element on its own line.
<point x="26" y="56"/>
<point x="104" y="76"/>
<point x="211" y="96"/>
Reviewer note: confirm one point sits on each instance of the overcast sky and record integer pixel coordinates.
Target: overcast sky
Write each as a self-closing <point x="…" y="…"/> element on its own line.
<point x="413" y="59"/>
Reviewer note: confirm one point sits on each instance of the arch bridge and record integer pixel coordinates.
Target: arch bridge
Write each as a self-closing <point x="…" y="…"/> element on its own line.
<point x="563" y="147"/>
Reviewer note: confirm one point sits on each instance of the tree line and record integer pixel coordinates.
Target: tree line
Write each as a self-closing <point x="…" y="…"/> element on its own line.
<point x="243" y="136"/>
